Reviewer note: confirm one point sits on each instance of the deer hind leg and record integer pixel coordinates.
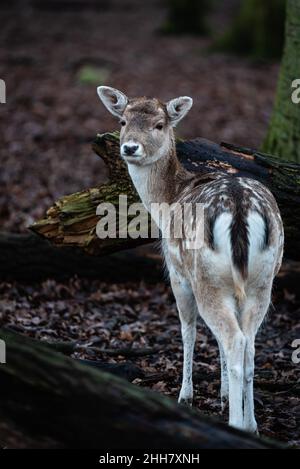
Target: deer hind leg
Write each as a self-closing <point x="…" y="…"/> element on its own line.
<point x="252" y="316"/>
<point x="224" y="378"/>
<point x="218" y="311"/>
<point x="187" y="309"/>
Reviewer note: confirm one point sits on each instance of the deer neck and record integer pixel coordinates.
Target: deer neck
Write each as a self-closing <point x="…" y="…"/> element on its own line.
<point x="159" y="182"/>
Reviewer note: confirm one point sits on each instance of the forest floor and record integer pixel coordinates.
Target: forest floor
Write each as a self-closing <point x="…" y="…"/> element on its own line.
<point x="99" y="316"/>
<point x="51" y="116"/>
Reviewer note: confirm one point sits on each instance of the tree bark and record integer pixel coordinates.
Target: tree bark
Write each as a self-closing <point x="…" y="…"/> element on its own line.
<point x="79" y="406"/>
<point x="257" y="30"/>
<point x="283" y="137"/>
<point x="72" y="220"/>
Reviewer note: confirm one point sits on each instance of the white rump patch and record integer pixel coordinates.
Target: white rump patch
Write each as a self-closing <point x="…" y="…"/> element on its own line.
<point x="221" y="233"/>
<point x="257" y="231"/>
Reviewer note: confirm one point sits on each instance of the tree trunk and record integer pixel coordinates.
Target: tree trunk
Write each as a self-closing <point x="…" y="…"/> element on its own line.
<point x="45" y="393"/>
<point x="72" y="220"/>
<point x="257" y="31"/>
<point x="186" y="17"/>
<point x="283" y="138"/>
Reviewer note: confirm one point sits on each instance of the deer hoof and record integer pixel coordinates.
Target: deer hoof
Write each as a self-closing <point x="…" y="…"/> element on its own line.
<point x="187" y="401"/>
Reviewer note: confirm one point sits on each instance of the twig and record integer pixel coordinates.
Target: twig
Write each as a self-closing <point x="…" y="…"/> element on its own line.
<point x="127" y="351"/>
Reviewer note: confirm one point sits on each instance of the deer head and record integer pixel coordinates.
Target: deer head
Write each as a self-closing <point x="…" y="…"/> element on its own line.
<point x="146" y="124"/>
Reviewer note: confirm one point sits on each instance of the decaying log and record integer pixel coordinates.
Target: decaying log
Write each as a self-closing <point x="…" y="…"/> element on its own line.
<point x="28" y="257"/>
<point x="72" y="220"/>
<point x="45" y="392"/>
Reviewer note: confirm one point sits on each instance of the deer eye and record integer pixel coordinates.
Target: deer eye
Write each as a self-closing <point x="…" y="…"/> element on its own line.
<point x="159" y="126"/>
<point x="123" y="123"/>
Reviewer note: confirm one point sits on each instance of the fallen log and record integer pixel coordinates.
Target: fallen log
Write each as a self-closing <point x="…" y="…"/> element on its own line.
<point x="44" y="392"/>
<point x="28" y="257"/>
<point x="72" y="220"/>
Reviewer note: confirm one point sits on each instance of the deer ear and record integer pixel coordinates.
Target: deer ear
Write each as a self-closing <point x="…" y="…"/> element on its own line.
<point x="177" y="108"/>
<point x="114" y="100"/>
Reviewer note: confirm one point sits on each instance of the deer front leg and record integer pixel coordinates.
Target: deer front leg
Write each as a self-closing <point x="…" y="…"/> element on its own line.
<point x="187" y="309"/>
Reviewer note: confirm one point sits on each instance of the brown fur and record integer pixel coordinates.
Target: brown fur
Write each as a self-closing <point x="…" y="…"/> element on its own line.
<point x="221" y="193"/>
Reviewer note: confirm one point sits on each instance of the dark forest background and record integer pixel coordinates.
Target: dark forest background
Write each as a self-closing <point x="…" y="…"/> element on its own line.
<point x="53" y="54"/>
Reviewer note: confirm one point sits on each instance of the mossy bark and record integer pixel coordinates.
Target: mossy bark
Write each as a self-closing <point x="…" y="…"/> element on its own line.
<point x="283" y="137"/>
<point x="257" y="30"/>
<point x="186" y="17"/>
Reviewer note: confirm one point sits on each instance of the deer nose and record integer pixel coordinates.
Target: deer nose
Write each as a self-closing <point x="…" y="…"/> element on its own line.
<point x="129" y="149"/>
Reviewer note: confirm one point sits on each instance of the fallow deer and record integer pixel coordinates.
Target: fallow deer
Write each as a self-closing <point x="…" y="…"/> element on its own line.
<point x="228" y="280"/>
